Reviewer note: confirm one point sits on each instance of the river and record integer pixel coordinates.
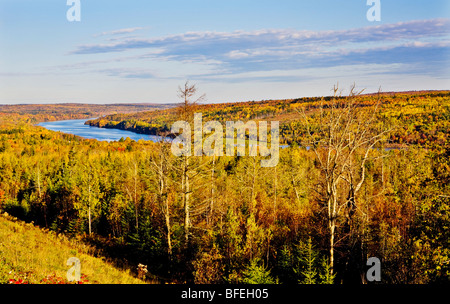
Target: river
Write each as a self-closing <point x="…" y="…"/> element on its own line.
<point x="77" y="127"/>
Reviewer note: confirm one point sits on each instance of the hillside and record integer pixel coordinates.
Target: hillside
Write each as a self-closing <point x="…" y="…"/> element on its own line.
<point x="237" y="221"/>
<point x="49" y="112"/>
<point x="418" y="117"/>
<point x="37" y="256"/>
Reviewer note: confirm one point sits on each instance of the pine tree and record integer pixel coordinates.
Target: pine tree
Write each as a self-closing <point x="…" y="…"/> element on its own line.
<point x="309" y="258"/>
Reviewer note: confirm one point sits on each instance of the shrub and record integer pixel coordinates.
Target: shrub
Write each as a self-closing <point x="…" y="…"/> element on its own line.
<point x="257" y="274"/>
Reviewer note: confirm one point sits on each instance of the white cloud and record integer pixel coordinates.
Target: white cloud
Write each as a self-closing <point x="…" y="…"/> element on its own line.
<point x="120" y="31"/>
<point x="216" y="42"/>
<point x="237" y="54"/>
<point x="414" y="47"/>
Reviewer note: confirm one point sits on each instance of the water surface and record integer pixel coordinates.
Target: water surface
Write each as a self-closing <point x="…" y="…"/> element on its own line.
<point x="77" y="127"/>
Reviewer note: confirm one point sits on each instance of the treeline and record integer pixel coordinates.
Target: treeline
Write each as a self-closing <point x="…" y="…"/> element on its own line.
<point x="422" y="118"/>
<point x="35" y="113"/>
<point x="246" y="224"/>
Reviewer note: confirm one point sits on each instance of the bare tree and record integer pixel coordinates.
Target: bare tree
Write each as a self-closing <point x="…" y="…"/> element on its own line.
<point x="342" y="133"/>
<point x="160" y="163"/>
<point x="185" y="112"/>
<point x="188" y="105"/>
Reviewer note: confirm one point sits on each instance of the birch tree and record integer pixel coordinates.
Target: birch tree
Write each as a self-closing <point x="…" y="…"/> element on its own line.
<point x="161" y="166"/>
<point x="90" y="194"/>
<point x="342" y="134"/>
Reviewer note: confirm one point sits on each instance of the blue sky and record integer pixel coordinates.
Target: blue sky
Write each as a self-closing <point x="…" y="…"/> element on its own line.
<point x="140" y="51"/>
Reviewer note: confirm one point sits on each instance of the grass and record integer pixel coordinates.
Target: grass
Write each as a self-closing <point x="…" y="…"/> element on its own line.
<point x="34" y="255"/>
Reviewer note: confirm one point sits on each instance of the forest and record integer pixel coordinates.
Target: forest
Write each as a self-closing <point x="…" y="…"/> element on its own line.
<point x="421" y="117"/>
<point x="35" y="113"/>
<point x="363" y="176"/>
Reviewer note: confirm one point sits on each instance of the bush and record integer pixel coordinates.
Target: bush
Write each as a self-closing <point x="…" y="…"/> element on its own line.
<point x="209" y="268"/>
<point x="16" y="209"/>
<point x="257" y="274"/>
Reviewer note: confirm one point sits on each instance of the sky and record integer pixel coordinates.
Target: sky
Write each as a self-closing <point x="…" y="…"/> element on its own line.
<point x="140" y="51"/>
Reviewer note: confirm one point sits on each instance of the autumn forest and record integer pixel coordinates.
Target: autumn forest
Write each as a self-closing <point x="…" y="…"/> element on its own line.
<point x="359" y="176"/>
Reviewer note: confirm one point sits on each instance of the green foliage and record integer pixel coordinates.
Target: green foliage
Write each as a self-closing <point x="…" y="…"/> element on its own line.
<point x="311" y="267"/>
<point x="325" y="275"/>
<point x="15" y="208"/>
<point x="309" y="260"/>
<point x="285" y="269"/>
<point x="431" y="241"/>
<point x="256" y="273"/>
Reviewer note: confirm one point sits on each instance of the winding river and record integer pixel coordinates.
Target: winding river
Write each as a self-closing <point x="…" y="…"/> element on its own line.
<point x="77" y="127"/>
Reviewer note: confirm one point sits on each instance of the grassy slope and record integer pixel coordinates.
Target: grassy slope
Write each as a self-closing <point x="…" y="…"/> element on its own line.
<point x="32" y="254"/>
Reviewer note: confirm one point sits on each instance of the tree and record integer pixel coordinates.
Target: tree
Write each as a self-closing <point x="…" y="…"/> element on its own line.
<point x="257" y="274"/>
<point x="89" y="192"/>
<point x="187" y="107"/>
<point x="160" y="163"/>
<point x="342" y="135"/>
<point x="133" y="189"/>
<point x="212" y="192"/>
<point x="309" y="257"/>
<point x="189" y="169"/>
